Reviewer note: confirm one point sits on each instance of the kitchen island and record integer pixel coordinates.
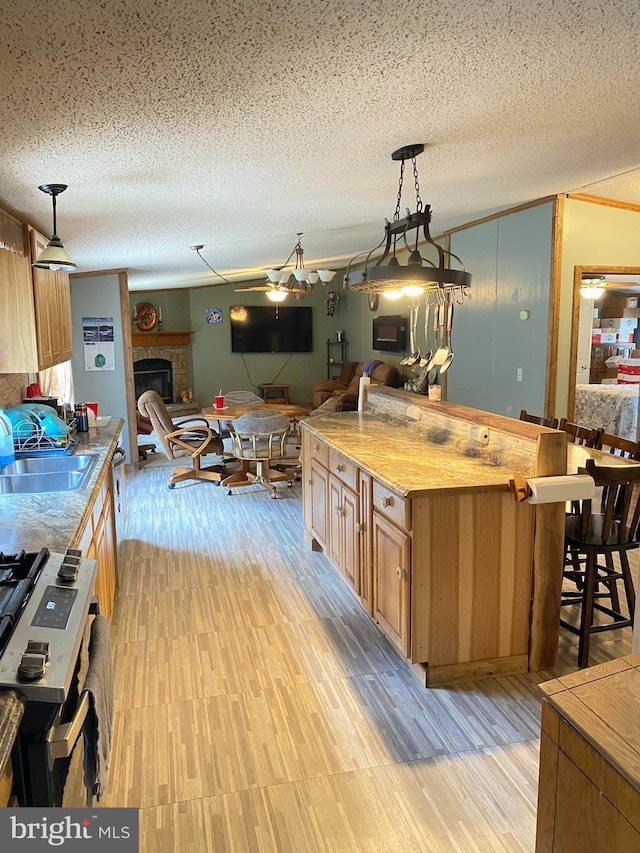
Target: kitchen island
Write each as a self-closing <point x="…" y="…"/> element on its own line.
<point x="410" y="500"/>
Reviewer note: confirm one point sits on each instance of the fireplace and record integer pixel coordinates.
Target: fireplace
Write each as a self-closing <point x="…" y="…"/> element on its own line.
<point x="153" y="374"/>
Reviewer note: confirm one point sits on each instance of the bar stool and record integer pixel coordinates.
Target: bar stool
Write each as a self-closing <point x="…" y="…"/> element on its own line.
<point x="614" y="531"/>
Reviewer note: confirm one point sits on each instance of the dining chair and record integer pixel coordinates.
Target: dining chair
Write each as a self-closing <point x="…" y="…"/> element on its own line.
<point x="613" y="531"/>
<point x="618" y="446"/>
<point x="584" y="436"/>
<point x="260" y="436"/>
<point x="552" y="423"/>
<point x="190" y="437"/>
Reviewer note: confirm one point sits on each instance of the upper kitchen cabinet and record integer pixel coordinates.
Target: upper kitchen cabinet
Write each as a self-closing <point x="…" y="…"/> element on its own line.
<point x="35" y="305"/>
<point x="52" y="302"/>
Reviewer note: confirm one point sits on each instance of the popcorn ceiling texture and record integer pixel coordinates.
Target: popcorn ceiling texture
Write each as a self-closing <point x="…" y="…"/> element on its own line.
<point x="238" y="123"/>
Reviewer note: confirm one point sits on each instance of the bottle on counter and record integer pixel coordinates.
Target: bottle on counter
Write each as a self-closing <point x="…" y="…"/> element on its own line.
<point x="82" y="418"/>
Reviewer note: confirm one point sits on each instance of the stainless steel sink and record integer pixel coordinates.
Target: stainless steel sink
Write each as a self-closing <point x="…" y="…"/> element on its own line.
<point x="47" y="474"/>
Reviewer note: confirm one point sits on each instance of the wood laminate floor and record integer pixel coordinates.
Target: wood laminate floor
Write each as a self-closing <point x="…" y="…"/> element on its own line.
<point x="258" y="708"/>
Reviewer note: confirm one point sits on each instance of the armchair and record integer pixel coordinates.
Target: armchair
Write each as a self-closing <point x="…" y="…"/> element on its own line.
<point x="190" y="437"/>
<point x="336" y="396"/>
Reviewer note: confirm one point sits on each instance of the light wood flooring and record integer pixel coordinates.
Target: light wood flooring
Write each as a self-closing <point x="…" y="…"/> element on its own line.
<point x="258" y="708"/>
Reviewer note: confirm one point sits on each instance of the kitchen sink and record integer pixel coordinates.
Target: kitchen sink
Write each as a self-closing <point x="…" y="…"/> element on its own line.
<point x="47" y="474"/>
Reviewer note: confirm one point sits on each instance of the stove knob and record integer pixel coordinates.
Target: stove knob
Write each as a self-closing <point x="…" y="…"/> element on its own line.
<point x="38" y="647"/>
<point x="32" y="667"/>
<point x="68" y="572"/>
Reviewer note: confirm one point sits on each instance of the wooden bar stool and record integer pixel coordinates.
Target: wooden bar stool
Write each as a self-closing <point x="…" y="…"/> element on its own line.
<point x="614" y="531"/>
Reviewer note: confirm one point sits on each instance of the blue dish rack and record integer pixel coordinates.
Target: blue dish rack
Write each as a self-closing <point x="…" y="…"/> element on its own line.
<point x="38" y="443"/>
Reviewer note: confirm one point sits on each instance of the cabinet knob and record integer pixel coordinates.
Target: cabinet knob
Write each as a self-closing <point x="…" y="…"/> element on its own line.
<point x="339" y="510"/>
<point x="308" y="482"/>
<point x="359" y="528"/>
<point x="315" y="448"/>
<point x="386" y="502"/>
<point x="339" y="469"/>
<point x="400" y="573"/>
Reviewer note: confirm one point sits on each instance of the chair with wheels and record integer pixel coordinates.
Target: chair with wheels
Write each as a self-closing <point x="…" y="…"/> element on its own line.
<point x="552" y="423"/>
<point x="259" y="437"/>
<point x="190" y="437"/>
<point x="600" y="536"/>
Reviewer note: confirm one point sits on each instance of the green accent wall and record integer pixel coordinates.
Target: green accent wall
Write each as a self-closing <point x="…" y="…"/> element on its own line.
<point x="509" y="259"/>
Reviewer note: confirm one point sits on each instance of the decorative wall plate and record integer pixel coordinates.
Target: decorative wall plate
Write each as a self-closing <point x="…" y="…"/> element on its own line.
<point x="146" y="316"/>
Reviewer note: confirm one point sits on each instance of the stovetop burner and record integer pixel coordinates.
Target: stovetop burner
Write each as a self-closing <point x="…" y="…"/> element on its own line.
<point x="18" y="575"/>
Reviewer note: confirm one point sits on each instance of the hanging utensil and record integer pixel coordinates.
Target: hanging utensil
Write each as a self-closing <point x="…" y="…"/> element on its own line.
<point x="427" y="356"/>
<point x="415" y="350"/>
<point x="447" y="362"/>
<point x="442" y="351"/>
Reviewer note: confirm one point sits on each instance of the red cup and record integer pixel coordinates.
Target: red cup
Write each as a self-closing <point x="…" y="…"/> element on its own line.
<point x="219" y="401"/>
<point x="94" y="408"/>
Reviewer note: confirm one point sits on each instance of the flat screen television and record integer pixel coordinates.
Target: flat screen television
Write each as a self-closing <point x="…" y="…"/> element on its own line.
<point x="270" y="328"/>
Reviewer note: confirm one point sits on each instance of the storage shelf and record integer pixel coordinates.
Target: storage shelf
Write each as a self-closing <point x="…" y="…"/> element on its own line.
<point x="331" y="362"/>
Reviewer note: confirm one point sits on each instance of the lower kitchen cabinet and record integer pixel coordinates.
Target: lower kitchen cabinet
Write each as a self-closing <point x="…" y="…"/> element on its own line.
<point x="392" y="582"/>
<point x="99" y="543"/>
<point x="344" y="531"/>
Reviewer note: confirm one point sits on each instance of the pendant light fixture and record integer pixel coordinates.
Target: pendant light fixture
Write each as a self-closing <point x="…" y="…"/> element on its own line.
<point x="54" y="256"/>
<point x="419" y="274"/>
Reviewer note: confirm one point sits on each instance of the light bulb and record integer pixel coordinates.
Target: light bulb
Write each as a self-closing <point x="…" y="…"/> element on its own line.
<point x="393" y="294"/>
<point x="277" y="295"/>
<point x="412" y="290"/>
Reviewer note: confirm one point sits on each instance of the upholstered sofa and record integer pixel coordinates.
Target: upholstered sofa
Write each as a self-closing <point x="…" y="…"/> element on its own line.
<point x="341" y="395"/>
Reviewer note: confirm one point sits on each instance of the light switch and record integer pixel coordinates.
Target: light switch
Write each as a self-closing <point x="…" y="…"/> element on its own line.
<point x="519" y="374"/>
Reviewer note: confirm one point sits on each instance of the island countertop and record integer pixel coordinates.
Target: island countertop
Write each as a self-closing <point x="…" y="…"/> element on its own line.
<point x="54" y="520"/>
<point x="405" y="461"/>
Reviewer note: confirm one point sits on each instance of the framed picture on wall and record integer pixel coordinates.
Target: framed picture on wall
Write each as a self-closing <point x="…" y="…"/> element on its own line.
<point x="214" y="315"/>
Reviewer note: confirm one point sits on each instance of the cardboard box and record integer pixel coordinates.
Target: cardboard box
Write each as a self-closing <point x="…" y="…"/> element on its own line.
<point x="608" y="338"/>
<point x="626" y="323"/>
<point x="632" y="302"/>
<point x="629" y="371"/>
<point x="624" y="339"/>
<point x="595" y="324"/>
<point x="620" y="312"/>
<point x="596" y="337"/>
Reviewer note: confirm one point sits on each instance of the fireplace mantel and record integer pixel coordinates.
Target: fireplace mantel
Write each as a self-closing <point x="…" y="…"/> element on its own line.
<point x="155" y="339"/>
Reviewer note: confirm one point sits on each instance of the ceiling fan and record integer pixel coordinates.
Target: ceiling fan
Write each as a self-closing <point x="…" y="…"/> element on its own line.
<point x="260" y="287"/>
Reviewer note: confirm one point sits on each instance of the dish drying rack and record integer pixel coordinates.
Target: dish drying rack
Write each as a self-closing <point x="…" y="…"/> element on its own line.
<point x="38" y="443"/>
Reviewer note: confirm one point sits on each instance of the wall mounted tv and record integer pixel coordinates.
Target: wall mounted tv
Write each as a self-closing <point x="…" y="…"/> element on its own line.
<point x="267" y="328"/>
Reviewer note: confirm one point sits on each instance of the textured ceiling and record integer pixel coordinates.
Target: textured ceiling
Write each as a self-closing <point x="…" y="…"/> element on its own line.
<point x="237" y="123"/>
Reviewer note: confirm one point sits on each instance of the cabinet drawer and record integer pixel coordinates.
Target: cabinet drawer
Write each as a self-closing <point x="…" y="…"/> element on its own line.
<point x="319" y="451"/>
<point x="392" y="506"/>
<point x="343" y="469"/>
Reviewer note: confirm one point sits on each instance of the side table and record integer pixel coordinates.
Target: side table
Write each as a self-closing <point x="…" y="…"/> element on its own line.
<point x="275" y="393"/>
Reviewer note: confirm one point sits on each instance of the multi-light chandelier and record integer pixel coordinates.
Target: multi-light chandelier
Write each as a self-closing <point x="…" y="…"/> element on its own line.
<point x="419" y="275"/>
<point x="296" y="280"/>
<point x="286" y="279"/>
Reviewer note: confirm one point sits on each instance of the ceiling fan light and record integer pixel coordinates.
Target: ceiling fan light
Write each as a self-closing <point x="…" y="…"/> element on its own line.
<point x="326" y="275"/>
<point x="284" y="277"/>
<point x="277" y="295"/>
<point x="54" y="257"/>
<point x="300" y="274"/>
<point x="274" y="275"/>
<point x="313" y="277"/>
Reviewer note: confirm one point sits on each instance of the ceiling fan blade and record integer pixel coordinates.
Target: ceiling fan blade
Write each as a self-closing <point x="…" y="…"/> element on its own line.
<point x="257" y="287"/>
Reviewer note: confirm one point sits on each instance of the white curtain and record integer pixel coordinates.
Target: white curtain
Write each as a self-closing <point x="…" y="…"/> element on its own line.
<point x="58" y="382"/>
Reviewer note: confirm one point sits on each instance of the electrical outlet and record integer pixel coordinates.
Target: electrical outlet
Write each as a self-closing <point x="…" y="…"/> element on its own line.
<point x="519" y="374"/>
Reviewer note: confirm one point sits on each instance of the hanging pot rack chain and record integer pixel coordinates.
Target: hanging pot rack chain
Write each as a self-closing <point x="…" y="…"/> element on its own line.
<point x="381" y="277"/>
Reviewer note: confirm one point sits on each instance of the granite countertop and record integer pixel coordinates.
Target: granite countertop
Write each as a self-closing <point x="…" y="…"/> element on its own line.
<point x="405" y="461"/>
<point x="55" y="520"/>
<point x="11" y="713"/>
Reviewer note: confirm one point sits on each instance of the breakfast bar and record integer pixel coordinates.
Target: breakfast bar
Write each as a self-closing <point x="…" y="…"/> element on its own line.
<point x="411" y="501"/>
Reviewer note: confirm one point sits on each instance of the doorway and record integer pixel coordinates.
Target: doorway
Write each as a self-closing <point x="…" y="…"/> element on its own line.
<point x="621" y="280"/>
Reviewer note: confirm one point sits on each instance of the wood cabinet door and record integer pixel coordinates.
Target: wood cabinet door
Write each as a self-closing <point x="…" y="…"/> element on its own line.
<point x="334" y="544"/>
<point x="364" y="529"/>
<point x="392" y="582"/>
<point x="319" y="502"/>
<point x="52" y="302"/>
<point x="350" y="535"/>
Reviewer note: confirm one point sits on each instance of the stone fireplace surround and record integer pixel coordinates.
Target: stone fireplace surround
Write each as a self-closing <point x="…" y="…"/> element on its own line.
<point x="180" y="357"/>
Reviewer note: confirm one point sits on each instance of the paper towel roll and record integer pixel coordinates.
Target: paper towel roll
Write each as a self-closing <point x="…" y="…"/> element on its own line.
<point x="572" y="487"/>
<point x="365" y="381"/>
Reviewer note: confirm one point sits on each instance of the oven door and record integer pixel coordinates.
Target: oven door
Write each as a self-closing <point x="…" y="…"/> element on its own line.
<point x="49" y="752"/>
